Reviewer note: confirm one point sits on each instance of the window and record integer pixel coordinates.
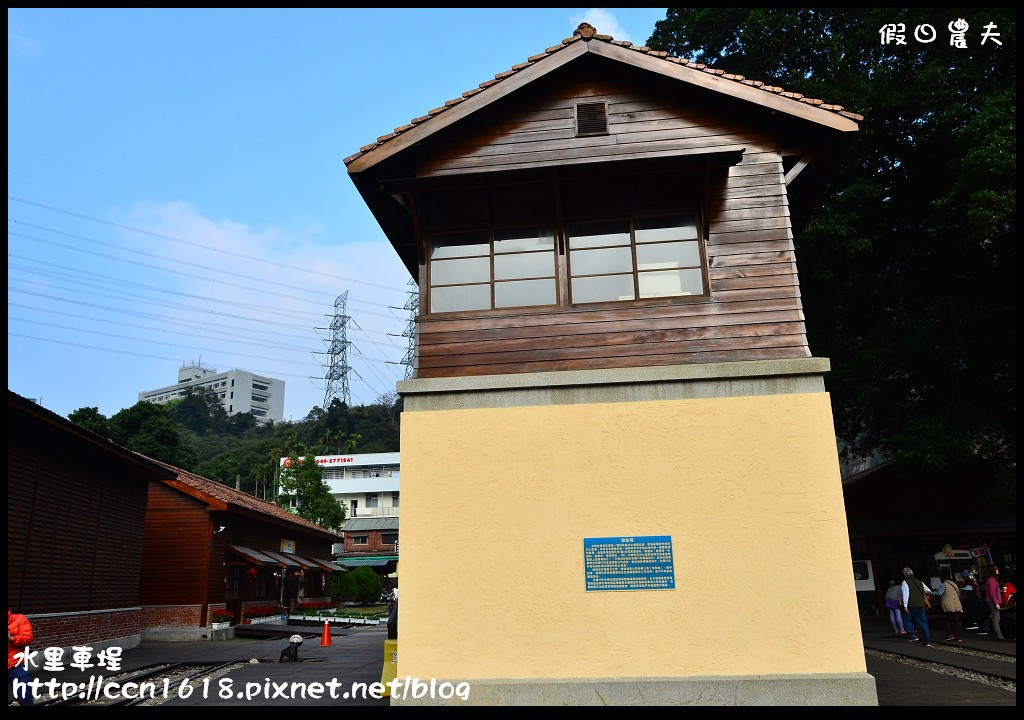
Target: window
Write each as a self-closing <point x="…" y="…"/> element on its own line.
<point x="359" y="540"/>
<point x="583" y="238"/>
<point x="637" y="257"/>
<point x="372" y="500"/>
<point x="486" y="269"/>
<point x="394" y="499"/>
<point x="256" y="386"/>
<point x="388" y="538"/>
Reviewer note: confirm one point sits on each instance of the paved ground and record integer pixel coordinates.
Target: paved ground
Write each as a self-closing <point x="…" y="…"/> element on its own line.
<point x="356" y="656"/>
<point x="909" y="681"/>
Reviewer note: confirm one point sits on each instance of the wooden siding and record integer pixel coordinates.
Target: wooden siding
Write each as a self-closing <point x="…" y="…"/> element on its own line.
<point x="75" y="520"/>
<point x="177" y="548"/>
<point x="754" y="309"/>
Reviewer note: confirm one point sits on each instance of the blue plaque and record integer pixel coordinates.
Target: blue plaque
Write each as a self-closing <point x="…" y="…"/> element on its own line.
<point x="629" y="563"/>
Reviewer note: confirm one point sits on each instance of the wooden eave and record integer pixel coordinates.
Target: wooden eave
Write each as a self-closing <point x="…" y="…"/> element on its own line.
<point x="104" y="445"/>
<point x="789" y="104"/>
<point x="213" y="502"/>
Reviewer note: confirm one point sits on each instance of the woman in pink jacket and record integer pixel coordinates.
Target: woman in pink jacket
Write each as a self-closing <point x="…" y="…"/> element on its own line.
<point x="992" y="594"/>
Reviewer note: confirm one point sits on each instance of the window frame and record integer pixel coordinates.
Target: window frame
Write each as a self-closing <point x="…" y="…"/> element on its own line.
<point x="635" y="272"/>
<point x="492" y="282"/>
<point x="693" y="204"/>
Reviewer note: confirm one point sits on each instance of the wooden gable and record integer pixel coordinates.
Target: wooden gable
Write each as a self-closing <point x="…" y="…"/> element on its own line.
<point x="589" y="131"/>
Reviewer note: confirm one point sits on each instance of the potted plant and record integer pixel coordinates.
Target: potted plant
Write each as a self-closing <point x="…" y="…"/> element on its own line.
<point x="221" y="619"/>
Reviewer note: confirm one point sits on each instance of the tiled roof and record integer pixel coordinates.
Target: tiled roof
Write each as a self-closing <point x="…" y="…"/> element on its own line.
<point x="587" y="32"/>
<point x="241" y="499"/>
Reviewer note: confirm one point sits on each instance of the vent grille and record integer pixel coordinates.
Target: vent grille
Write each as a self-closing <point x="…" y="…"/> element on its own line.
<point x="592" y="119"/>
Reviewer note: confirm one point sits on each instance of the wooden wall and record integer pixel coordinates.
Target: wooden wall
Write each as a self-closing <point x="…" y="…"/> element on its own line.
<point x="176" y="550"/>
<point x="753" y="311"/>
<point x="75" y="518"/>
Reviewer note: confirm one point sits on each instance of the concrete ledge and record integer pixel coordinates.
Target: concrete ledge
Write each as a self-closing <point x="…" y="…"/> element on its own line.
<point x="838" y="689"/>
<point x="179" y="634"/>
<point x="668" y="382"/>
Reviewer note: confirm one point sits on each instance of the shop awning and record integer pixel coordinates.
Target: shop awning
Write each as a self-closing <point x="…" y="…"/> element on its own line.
<point x="325" y="564"/>
<point x="292" y="561"/>
<point x="378" y="561"/>
<point x="256" y="557"/>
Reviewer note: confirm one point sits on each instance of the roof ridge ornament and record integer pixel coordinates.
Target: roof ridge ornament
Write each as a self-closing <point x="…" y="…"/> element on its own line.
<point x="585" y="31"/>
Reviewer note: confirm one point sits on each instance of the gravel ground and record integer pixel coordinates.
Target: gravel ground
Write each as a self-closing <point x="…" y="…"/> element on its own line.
<point x="955" y="672"/>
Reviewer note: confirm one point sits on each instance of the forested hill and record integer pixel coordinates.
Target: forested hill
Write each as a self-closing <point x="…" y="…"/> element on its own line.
<point x="195" y="433"/>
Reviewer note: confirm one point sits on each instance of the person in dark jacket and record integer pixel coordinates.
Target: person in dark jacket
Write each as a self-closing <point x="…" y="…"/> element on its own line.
<point x="19" y="635"/>
<point x="914" y="594"/>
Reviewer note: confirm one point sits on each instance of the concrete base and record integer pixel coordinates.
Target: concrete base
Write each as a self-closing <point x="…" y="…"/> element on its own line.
<point x="184" y="634"/>
<point x="811" y="689"/>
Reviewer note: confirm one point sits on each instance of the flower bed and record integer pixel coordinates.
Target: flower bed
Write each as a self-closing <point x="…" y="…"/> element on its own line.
<point x="258" y="614"/>
<point x="221" y="616"/>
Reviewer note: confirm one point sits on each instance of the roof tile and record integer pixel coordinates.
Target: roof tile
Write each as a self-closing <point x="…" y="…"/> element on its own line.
<point x="587" y="33"/>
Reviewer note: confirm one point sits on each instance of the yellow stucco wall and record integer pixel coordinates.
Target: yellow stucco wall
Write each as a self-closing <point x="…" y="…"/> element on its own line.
<point x="496" y="504"/>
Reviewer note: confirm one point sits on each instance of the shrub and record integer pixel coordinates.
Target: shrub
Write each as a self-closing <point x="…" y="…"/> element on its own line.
<point x="368" y="585"/>
<point x="221" y="616"/>
<point x="343" y="587"/>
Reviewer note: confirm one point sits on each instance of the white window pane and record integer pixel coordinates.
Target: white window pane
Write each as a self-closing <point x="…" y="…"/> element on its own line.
<point x="658" y="229"/>
<point x="605" y="260"/>
<point x="668" y="255"/>
<point x="519" y="293"/>
<point x="523" y="239"/>
<point x="460" y="297"/>
<point x="451" y="245"/>
<point x="675" y="282"/>
<point x="602" y="289"/>
<point x="524" y="265"/>
<point x="462" y="270"/>
<point x="602" y="234"/>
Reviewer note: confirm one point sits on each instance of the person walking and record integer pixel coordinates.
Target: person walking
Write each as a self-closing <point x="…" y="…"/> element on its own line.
<point x="915" y="600"/>
<point x="19" y="635"/>
<point x="992" y="594"/>
<point x="894" y="604"/>
<point x="952" y="610"/>
<point x="974" y="608"/>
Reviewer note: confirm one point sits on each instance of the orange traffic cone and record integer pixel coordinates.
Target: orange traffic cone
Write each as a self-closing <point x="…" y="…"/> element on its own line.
<point x="325" y="639"/>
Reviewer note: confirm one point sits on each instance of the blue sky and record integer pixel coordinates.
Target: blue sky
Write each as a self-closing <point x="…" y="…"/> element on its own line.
<point x="176" y="190"/>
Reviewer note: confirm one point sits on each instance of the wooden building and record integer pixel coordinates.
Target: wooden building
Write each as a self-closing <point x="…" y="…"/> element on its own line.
<point x="611" y="352"/>
<point x="76" y="513"/>
<point x="208" y="547"/>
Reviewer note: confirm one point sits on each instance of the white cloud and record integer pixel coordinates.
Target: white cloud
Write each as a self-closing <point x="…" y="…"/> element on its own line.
<point x="19" y="43"/>
<point x="604" y="22"/>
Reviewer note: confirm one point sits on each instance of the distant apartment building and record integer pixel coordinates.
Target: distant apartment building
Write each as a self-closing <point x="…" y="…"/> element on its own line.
<point x="239" y="391"/>
<point x="367" y="486"/>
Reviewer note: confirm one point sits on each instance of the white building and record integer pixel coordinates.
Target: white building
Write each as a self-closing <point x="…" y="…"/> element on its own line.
<point x="239" y="391"/>
<point x="366" y="485"/>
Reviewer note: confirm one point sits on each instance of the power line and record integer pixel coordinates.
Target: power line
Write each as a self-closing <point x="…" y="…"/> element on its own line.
<point x="261" y="280"/>
<point x="195" y="244"/>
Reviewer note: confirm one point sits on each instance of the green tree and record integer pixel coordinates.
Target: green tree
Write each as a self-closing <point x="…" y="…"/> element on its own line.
<point x="368" y="585"/>
<point x="343" y="587"/>
<point x="91" y="419"/>
<point x="146" y="429"/>
<point x="301" y="486"/>
<point x="908" y="269"/>
<point x="200" y="410"/>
